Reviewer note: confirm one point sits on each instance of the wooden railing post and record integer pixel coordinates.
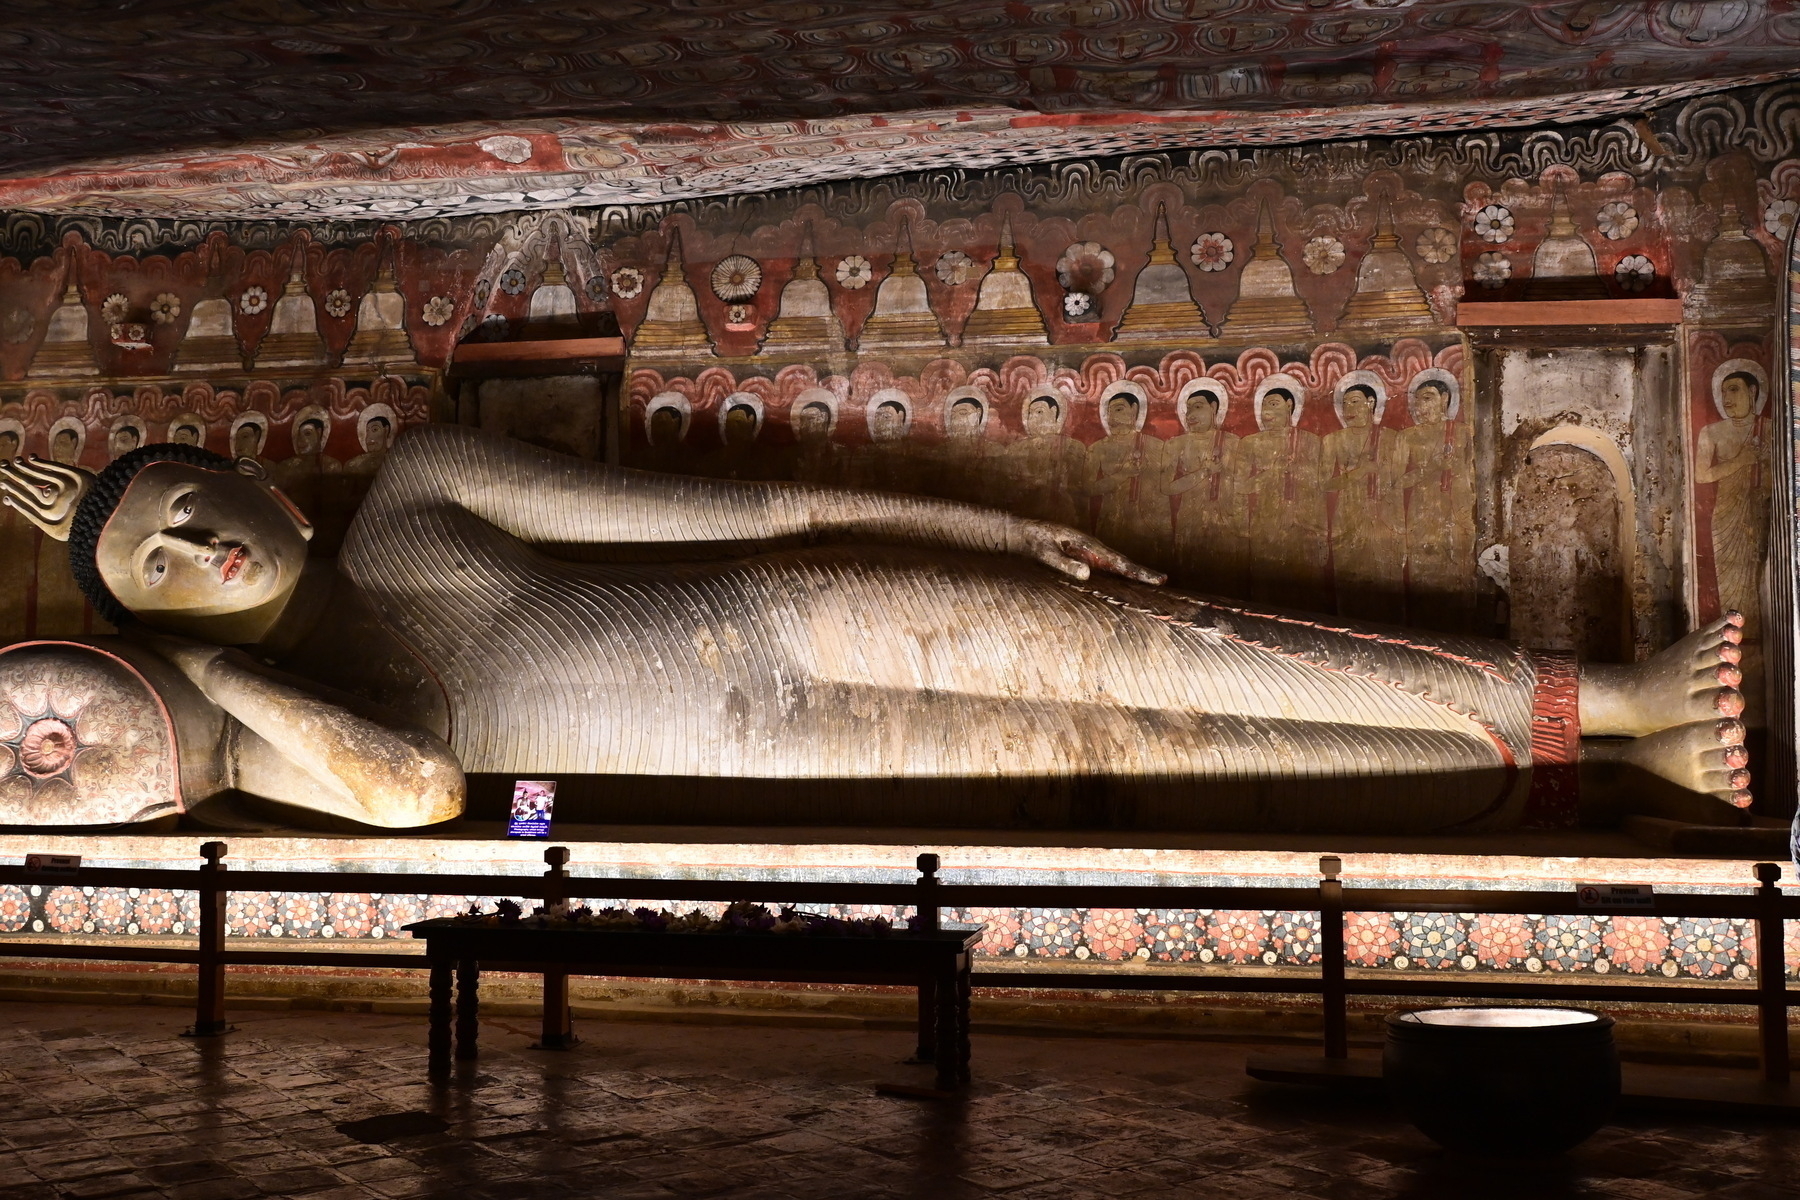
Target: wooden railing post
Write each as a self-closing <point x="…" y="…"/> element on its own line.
<point x="559" y="1024"/>
<point x="1331" y="958"/>
<point x="209" y="1003"/>
<point x="927" y="922"/>
<point x="1771" y="974"/>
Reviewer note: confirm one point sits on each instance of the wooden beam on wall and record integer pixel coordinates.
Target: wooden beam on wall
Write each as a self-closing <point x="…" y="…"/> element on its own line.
<point x="1524" y="313"/>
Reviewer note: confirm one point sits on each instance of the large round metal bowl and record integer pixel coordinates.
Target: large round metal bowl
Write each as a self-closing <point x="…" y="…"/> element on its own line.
<point x="1503" y="1082"/>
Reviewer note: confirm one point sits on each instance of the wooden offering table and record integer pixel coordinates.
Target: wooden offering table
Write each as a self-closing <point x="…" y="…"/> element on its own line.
<point x="936" y="962"/>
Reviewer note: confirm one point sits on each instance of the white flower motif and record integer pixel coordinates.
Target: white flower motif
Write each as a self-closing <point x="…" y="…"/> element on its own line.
<point x="1494" y="223"/>
<point x="1617" y="219"/>
<point x="1778" y="218"/>
<point x="627" y="282"/>
<point x="1493" y="268"/>
<point x="253" y="301"/>
<point x="337" y="302"/>
<point x="165" y="308"/>
<point x="1077" y="305"/>
<point x="1085" y="267"/>
<point x="736" y="278"/>
<point x="1323" y="255"/>
<point x="512" y="282"/>
<point x="1436" y="244"/>
<point x="438" y="310"/>
<point x="1212" y="252"/>
<point x="1634" y="272"/>
<point x="955" y="268"/>
<point x="114" y="308"/>
<point x="854" y="271"/>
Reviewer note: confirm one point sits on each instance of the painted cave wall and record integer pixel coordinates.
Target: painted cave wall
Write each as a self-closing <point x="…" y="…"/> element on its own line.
<point x="1252" y="369"/>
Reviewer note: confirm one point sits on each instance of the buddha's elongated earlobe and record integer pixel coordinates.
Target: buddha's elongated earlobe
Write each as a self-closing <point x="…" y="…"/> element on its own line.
<point x="45" y="493"/>
<point x="253" y="469"/>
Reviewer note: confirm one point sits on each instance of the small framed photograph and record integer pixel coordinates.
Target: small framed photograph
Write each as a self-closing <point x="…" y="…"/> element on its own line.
<point x="532" y="802"/>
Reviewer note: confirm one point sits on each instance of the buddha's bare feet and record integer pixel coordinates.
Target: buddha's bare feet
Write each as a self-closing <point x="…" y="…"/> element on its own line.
<point x="1695" y="680"/>
<point x="1705" y="756"/>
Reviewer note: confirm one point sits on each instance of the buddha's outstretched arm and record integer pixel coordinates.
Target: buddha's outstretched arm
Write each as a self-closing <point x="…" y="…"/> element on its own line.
<point x="543" y="497"/>
<point x="301" y="744"/>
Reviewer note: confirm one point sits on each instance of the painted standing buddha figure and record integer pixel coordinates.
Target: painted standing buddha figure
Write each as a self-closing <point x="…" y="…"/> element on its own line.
<point x="1361" y="475"/>
<point x="1729" y="455"/>
<point x="1286" y="507"/>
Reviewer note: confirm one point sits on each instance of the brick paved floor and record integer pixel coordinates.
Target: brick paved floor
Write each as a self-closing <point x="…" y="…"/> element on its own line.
<point x="107" y="1102"/>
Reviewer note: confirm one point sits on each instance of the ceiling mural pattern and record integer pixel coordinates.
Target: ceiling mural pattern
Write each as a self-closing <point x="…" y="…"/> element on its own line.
<point x="406" y="109"/>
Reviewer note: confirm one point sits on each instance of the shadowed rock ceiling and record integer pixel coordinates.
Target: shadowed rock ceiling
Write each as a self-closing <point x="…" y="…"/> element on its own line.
<point x="277" y="108"/>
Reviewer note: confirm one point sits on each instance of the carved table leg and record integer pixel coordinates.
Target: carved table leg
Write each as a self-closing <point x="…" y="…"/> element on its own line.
<point x="468" y="1002"/>
<point x="927" y="1047"/>
<point x="944" y="1052"/>
<point x="438" y="1039"/>
<point x="963" y="989"/>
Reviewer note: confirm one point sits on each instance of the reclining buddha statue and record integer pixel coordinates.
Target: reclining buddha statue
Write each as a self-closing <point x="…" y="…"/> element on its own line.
<point x="501" y="609"/>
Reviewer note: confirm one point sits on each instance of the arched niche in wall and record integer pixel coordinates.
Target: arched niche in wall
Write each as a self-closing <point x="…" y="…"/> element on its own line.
<point x="1572" y="560"/>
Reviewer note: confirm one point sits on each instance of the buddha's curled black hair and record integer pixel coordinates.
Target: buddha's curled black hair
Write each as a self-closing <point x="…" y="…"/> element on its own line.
<point x="97" y="508"/>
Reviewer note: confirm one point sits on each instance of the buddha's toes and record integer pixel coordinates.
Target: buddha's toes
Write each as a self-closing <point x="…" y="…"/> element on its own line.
<point x="1702" y="756"/>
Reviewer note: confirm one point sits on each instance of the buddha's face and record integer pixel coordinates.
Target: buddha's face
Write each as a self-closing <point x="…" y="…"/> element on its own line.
<point x="812" y="424"/>
<point x="185" y="435"/>
<point x="1202" y="413"/>
<point x="1737" y="397"/>
<point x="124" y="440"/>
<point x="1431" y="404"/>
<point x="740" y="425"/>
<point x="186" y="543"/>
<point x="1121" y="413"/>
<point x="309" y="437"/>
<point x="1041" y="418"/>
<point x="9" y="445"/>
<point x="1359" y="406"/>
<point x="889" y="422"/>
<point x="378" y="435"/>
<point x="65" y="447"/>
<point x="1277" y="411"/>
<point x="965" y="419"/>
<point x="246" y="442"/>
<point x="665" y="427"/>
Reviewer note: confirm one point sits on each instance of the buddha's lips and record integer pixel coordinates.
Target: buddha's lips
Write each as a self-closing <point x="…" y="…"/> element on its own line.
<point x="234" y="563"/>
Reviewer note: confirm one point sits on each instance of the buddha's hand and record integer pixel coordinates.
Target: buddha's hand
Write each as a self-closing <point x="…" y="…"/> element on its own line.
<point x="1076" y="554"/>
<point x="46" y="493"/>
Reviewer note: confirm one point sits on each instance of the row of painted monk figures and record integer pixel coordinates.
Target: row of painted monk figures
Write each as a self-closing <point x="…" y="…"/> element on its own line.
<point x="1366" y="520"/>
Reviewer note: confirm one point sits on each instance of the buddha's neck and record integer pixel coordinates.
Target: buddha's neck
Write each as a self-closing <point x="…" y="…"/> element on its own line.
<point x="312" y="602"/>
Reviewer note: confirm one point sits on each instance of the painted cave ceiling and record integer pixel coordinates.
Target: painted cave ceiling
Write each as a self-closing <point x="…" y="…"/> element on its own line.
<point x="409" y="108"/>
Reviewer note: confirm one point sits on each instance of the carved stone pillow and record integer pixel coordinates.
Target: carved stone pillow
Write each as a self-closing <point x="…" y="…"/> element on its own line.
<point x="84" y="739"/>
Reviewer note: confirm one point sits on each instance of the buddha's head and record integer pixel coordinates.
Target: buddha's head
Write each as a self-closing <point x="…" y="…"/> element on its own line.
<point x="186" y="435"/>
<point x="1121" y="413"/>
<point x="378" y="435"/>
<point x="246" y="440"/>
<point x="1277" y="409"/>
<point x="888" y="422"/>
<point x="9" y="444"/>
<point x="812" y="424"/>
<point x="65" y="447"/>
<point x="123" y="440"/>
<point x="1202" y="412"/>
<point x="309" y="436"/>
<point x="665" y="426"/>
<point x="1737" y="395"/>
<point x="740" y="425"/>
<point x="1359" y="405"/>
<point x="1431" y="403"/>
<point x="190" y="542"/>
<point x="965" y="419"/>
<point x="1043" y="417"/>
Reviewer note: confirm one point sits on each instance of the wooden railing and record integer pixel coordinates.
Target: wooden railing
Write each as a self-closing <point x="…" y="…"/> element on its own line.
<point x="1764" y="905"/>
